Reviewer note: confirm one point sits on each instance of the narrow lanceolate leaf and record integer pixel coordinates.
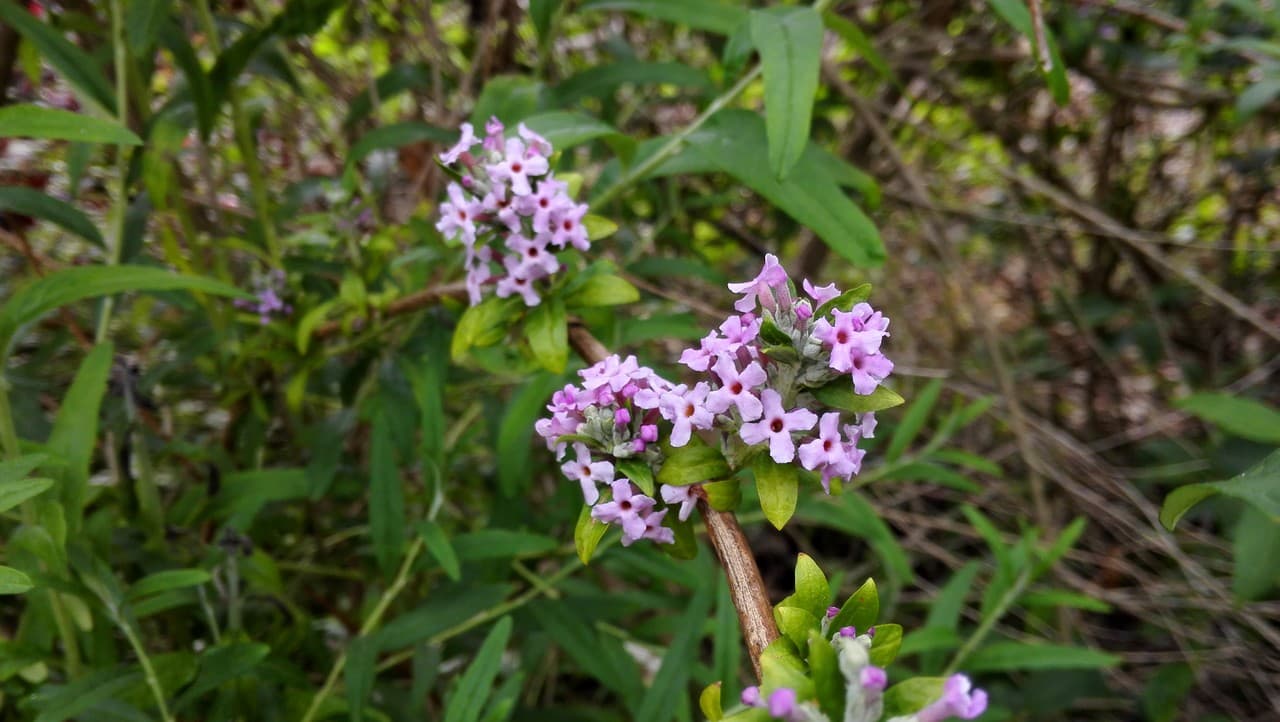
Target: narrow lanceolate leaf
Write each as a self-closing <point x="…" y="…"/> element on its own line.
<point x="13" y="581"/>
<point x="142" y="21"/>
<point x="167" y="580"/>
<point x="790" y="45"/>
<point x="1259" y="487"/>
<point x="80" y="282"/>
<point x="75" y="429"/>
<point x="31" y="202"/>
<point x="587" y="535"/>
<point x="16" y="491"/>
<point x="702" y="14"/>
<point x="32" y="121"/>
<point x="1006" y="656"/>
<point x="77" y="66"/>
<point x="913" y="420"/>
<point x="439" y="546"/>
<point x="778" y="487"/>
<point x="386" y="496"/>
<point x="1237" y="416"/>
<point x="468" y="698"/>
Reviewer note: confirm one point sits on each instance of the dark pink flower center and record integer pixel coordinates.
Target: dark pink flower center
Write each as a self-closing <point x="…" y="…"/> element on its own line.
<point x="842" y="337"/>
<point x="735" y="388"/>
<point x="689" y="410"/>
<point x="625" y="505"/>
<point x="516" y="167"/>
<point x="776" y="426"/>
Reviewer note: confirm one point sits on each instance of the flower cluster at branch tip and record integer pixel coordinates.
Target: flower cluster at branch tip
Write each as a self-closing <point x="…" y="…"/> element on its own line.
<point x="765" y="364"/>
<point x="782" y="704"/>
<point x="509" y="211"/>
<point x="608" y="421"/>
<point x="268" y="301"/>
<point x="865" y="684"/>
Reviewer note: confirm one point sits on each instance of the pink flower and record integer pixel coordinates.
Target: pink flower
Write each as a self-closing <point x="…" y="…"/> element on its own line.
<point x="533" y="254"/>
<point x="773" y="277"/>
<point x="776" y="427"/>
<point x="517" y="166"/>
<point x="866" y="427"/>
<point x="614" y="372"/>
<point x="735" y="389"/>
<point x="858" y="331"/>
<point x="537" y="144"/>
<point x="458" y="215"/>
<point x="464" y="144"/>
<point x="654" y="530"/>
<point x="518" y="281"/>
<point x="820" y="294"/>
<point x="493" y="134"/>
<point x="588" y="473"/>
<point x="681" y="495"/>
<point x="741" y="330"/>
<point x="868" y="371"/>
<point x="959" y="699"/>
<point x="782" y="703"/>
<point x="710" y="348"/>
<point x="686" y="409"/>
<point x="627" y="510"/>
<point x="543" y="205"/>
<point x="827" y="452"/>
<point x="567" y="228"/>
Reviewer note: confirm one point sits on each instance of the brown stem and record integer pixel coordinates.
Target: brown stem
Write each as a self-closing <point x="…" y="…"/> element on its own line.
<point x="746" y="588"/>
<point x="404" y="304"/>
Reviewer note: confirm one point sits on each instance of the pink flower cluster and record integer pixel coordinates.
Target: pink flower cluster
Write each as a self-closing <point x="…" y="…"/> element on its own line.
<point x="509" y="211"/>
<point x="764" y="363"/>
<point x="613" y="415"/>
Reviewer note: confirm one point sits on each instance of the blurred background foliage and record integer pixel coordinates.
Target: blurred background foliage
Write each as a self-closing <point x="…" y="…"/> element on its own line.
<point x="321" y="516"/>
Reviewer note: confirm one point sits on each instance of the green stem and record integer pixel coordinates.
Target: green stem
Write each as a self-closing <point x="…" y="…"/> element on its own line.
<point x="8" y="433"/>
<point x="370" y="624"/>
<point x="120" y="197"/>
<point x="244" y="139"/>
<point x="1006" y="600"/>
<point x="148" y="670"/>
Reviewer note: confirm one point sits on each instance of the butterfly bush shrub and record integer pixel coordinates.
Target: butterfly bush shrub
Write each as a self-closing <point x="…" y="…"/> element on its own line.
<point x="788" y="379"/>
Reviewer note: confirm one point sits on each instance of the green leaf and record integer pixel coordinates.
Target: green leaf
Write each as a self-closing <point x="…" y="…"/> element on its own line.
<point x="790" y="45"/>
<point x="438" y="545"/>
<point x="501" y="544"/>
<point x="839" y="394"/>
<point x="912" y="695"/>
<point x="731" y="142"/>
<point x="693" y="463"/>
<point x="598" y="227"/>
<point x="845" y="301"/>
<point x="925" y="471"/>
<point x="1256" y="97"/>
<point x="541" y="12"/>
<point x="1258" y="487"/>
<point x="13" y="581"/>
<point x="70" y="701"/>
<point x="515" y="432"/>
<point x="1015" y="13"/>
<point x="395" y="80"/>
<point x="1054" y="598"/>
<point x="468" y="698"/>
<point x="700" y="14"/>
<point x="638" y="471"/>
<point x="31" y="202"/>
<point x="396" y="135"/>
<point x="1165" y="692"/>
<point x="386" y="495"/>
<point x="359" y="674"/>
<point x="17" y="468"/>
<point x="1237" y="416"/>
<point x="23" y="120"/>
<point x="852" y="514"/>
<point x="859" y="43"/>
<point x="723" y="495"/>
<point x="601" y="81"/>
<point x="80" y="282"/>
<point x="482" y="325"/>
<point x="885" y="645"/>
<point x="795" y="624"/>
<point x="587" y="534"/>
<point x="142" y="21"/>
<point x="547" y="330"/>
<point x="778" y="486"/>
<point x="601" y="656"/>
<point x="566" y="129"/>
<point x="824" y="668"/>
<point x="75" y="429"/>
<point x="220" y="665"/>
<point x="1007" y="656"/>
<point x="913" y="420"/>
<point x="812" y="590"/>
<point x="167" y="580"/>
<point x="511" y="98"/>
<point x="1255" y="544"/>
<point x="603" y="289"/>
<point x="15" y="491"/>
<point x="1067" y="539"/>
<point x="77" y="66"/>
<point x="199" y="87"/>
<point x="709" y="702"/>
<point x="672" y="678"/>
<point x="929" y="639"/>
<point x="860" y="610"/>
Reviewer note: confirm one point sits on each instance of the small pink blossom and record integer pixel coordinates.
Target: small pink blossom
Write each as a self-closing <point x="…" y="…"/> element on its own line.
<point x="736" y="389"/>
<point x="517" y="166"/>
<point x="827" y="452"/>
<point x="868" y="370"/>
<point x="464" y="144"/>
<point x="588" y="473"/>
<point x="627" y="509"/>
<point x="959" y="699"/>
<point x="686" y="409"/>
<point x="776" y="426"/>
<point x="682" y="495"/>
<point x="772" y="278"/>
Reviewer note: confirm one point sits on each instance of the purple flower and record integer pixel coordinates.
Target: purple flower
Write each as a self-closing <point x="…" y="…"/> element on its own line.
<point x="710" y="349"/>
<point x="751" y="696"/>
<point x="856" y="332"/>
<point x="782" y="703"/>
<point x="873" y="679"/>
<point x="627" y="509"/>
<point x="735" y="389"/>
<point x="567" y="228"/>
<point x="959" y="699"/>
<point x="464" y="144"/>
<point x="458" y="215"/>
<point x="682" y="495"/>
<point x="827" y="452"/>
<point x="518" y="281"/>
<point x="849" y="632"/>
<point x="654" y="530"/>
<point x="832" y="612"/>
<point x="588" y="473"/>
<point x="543" y="206"/>
<point x="866" y="426"/>
<point x="740" y="330"/>
<point x="533" y="255"/>
<point x="537" y="144"/>
<point x="820" y="294"/>
<point x="686" y="409"/>
<point x="868" y="371"/>
<point x="649" y="433"/>
<point x="776" y="427"/>
<point x="493" y="134"/>
<point x="517" y="166"/>
<point x="772" y="277"/>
